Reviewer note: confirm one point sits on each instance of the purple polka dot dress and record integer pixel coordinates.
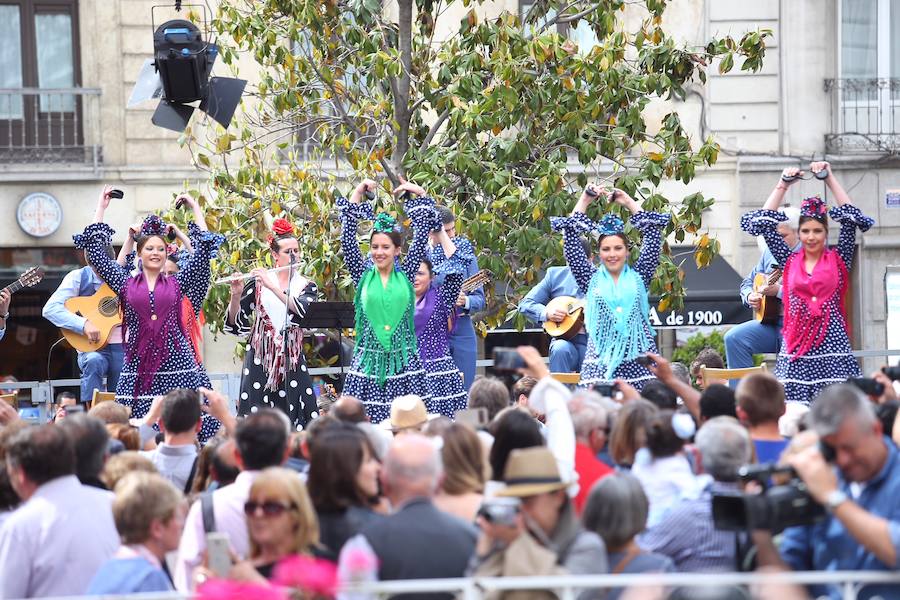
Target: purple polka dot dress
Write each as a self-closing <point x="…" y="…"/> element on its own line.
<point x="651" y="225"/>
<point x="442" y="376"/>
<point x="830" y="361"/>
<point x="376" y="396"/>
<point x="179" y="368"/>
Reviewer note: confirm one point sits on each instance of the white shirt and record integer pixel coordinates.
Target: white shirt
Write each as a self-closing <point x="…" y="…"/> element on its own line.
<point x="173" y="462"/>
<point x="54" y="543"/>
<point x="228" y="508"/>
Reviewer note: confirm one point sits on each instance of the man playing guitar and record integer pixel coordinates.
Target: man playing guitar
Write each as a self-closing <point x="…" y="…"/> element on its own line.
<point x="105" y="361"/>
<point x="566" y="356"/>
<point x="755" y="337"/>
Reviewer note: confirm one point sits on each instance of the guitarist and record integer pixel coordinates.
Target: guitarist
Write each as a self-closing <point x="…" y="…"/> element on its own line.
<point x="744" y="340"/>
<point x="106" y="361"/>
<point x="4" y="311"/>
<point x="463" y="343"/>
<point x="566" y="356"/>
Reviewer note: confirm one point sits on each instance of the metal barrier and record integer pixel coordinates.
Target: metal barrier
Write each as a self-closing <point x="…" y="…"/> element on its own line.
<point x="768" y="586"/>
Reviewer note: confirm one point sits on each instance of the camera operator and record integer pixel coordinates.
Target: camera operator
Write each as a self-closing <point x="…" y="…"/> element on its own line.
<point x="862" y="530"/>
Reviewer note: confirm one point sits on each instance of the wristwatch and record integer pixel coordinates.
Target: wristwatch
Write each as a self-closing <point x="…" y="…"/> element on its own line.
<point x="835" y="499"/>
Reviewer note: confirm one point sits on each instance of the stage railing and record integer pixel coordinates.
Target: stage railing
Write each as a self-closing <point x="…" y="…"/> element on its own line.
<point x="759" y="585"/>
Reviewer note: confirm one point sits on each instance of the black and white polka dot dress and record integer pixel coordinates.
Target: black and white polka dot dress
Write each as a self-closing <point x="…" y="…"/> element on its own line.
<point x="651" y="225"/>
<point x="830" y="361"/>
<point x="180" y="368"/>
<point x="262" y="381"/>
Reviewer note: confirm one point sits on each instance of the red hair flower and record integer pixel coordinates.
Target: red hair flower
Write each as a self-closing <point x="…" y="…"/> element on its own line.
<point x="282" y="227"/>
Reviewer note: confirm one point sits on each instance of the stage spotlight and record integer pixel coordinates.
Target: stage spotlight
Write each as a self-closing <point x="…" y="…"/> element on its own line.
<point x="180" y="75"/>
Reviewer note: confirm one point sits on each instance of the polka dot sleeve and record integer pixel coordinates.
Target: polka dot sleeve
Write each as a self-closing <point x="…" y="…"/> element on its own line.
<point x="94" y="241"/>
<point x="300" y="303"/>
<point x="350" y="217"/>
<point x="194" y="274"/>
<point x="573" y="228"/>
<point x="244" y="318"/>
<point x="455" y="270"/>
<point x="421" y="212"/>
<point x="764" y="222"/>
<point x="850" y="218"/>
<point x="651" y="225"/>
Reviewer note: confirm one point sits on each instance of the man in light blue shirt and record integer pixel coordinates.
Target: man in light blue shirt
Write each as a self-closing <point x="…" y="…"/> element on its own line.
<point x="566" y="356"/>
<point x="752" y="337"/>
<point x="862" y="530"/>
<point x="105" y="362"/>
<point x="64" y="531"/>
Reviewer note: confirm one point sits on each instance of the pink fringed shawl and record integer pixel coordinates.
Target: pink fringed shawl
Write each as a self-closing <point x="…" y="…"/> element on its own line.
<point x="806" y="319"/>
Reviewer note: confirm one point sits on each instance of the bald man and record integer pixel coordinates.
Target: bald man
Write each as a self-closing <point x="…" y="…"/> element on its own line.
<point x="349" y="409"/>
<point x="417" y="541"/>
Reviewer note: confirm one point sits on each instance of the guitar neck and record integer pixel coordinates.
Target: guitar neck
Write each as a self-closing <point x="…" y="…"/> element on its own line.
<point x="14" y="287"/>
<point x="476" y="280"/>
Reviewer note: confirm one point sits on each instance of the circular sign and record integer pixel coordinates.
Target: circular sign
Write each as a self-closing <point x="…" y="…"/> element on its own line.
<point x="39" y="214"/>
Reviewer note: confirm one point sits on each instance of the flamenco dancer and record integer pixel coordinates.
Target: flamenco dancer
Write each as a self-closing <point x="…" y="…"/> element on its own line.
<point x="434" y="305"/>
<point x="270" y="380"/>
<point x="815" y="349"/>
<point x="617" y="311"/>
<point x="386" y="361"/>
<point x="159" y="356"/>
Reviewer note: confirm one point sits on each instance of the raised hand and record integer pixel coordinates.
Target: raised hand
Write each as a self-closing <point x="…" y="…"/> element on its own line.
<point x="360" y="190"/>
<point x="408" y="186"/>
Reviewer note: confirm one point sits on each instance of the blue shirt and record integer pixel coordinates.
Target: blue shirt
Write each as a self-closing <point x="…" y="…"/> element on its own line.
<point x="129" y="576"/>
<point x="769" y="450"/>
<point x="828" y="546"/>
<point x="558" y="281"/>
<point x="80" y="282"/>
<point x="765" y="265"/>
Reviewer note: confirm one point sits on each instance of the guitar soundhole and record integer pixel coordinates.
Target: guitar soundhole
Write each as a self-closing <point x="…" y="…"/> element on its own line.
<point x="109" y="306"/>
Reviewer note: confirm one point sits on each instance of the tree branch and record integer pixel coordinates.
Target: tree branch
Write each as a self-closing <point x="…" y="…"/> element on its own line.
<point x="434" y="129"/>
<point x="401" y="99"/>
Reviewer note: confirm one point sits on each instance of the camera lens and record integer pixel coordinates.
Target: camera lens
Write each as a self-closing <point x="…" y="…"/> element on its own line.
<point x="892" y="372"/>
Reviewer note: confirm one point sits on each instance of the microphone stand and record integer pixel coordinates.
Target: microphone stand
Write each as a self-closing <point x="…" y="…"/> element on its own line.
<point x="284" y="330"/>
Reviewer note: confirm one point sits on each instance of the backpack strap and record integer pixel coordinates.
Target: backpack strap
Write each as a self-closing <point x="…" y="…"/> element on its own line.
<point x="206" y="509"/>
<point x="189" y="483"/>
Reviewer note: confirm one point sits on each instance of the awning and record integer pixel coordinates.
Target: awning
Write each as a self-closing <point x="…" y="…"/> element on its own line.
<point x="712" y="298"/>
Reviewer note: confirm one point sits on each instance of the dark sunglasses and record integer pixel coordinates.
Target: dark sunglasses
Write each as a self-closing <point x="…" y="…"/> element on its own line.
<point x="269" y="509"/>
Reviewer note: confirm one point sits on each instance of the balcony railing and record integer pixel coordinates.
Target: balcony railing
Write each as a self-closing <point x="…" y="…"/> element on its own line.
<point x="60" y="125"/>
<point x="865" y="116"/>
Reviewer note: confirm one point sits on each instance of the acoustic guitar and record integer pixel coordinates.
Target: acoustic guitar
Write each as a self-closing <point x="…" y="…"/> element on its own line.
<point x="574" y="321"/>
<point x="101" y="309"/>
<point x="769" y="309"/>
<point x="29" y="278"/>
<point x="469" y="285"/>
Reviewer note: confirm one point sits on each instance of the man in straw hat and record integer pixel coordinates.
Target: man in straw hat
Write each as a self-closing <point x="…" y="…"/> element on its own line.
<point x="545" y="538"/>
<point x="408" y="415"/>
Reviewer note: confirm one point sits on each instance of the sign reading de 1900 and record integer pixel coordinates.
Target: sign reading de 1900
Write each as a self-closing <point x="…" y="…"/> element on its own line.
<point x="699" y="313"/>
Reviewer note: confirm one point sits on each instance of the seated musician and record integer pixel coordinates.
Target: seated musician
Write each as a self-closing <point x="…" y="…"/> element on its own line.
<point x="105" y="361"/>
<point x="4" y="311"/>
<point x="566" y="356"/>
<point x="753" y="337"/>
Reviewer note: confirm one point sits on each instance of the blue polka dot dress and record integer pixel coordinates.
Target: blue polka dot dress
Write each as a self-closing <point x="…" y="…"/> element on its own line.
<point x="831" y="360"/>
<point x="410" y="379"/>
<point x="651" y="225"/>
<point x="262" y="382"/>
<point x="442" y="376"/>
<point x="180" y="368"/>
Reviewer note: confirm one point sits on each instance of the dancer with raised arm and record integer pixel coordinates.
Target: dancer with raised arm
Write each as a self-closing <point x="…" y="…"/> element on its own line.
<point x="434" y="305"/>
<point x="617" y="310"/>
<point x="158" y="353"/>
<point x="386" y="361"/>
<point x="815" y="348"/>
<point x="270" y="379"/>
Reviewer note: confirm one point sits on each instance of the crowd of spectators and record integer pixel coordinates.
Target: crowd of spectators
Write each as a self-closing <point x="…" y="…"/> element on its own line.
<point x="549" y="481"/>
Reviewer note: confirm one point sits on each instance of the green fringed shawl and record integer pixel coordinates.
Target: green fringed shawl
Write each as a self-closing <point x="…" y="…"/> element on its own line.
<point x="616" y="314"/>
<point x="386" y="335"/>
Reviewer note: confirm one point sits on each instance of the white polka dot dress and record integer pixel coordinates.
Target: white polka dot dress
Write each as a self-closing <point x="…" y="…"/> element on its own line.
<point x="442" y="376"/>
<point x="651" y="225"/>
<point x="292" y="395"/>
<point x="376" y="396"/>
<point x="830" y="361"/>
<point x="180" y="368"/>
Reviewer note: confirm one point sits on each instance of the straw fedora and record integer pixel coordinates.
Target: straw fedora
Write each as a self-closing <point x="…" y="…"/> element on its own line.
<point x="531" y="471"/>
<point x="407" y="412"/>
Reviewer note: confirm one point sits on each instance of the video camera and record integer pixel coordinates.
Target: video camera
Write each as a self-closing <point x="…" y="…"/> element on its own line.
<point x="773" y="509"/>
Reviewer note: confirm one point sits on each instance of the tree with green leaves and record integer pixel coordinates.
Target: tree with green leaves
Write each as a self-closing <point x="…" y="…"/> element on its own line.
<point x="503" y="119"/>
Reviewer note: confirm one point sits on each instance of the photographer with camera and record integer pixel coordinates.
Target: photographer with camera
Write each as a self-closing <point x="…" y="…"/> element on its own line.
<point x="530" y="528"/>
<point x="862" y="528"/>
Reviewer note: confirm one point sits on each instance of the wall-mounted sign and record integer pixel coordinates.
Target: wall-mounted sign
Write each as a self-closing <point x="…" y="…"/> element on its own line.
<point x="39" y="214"/>
<point x="892" y="199"/>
